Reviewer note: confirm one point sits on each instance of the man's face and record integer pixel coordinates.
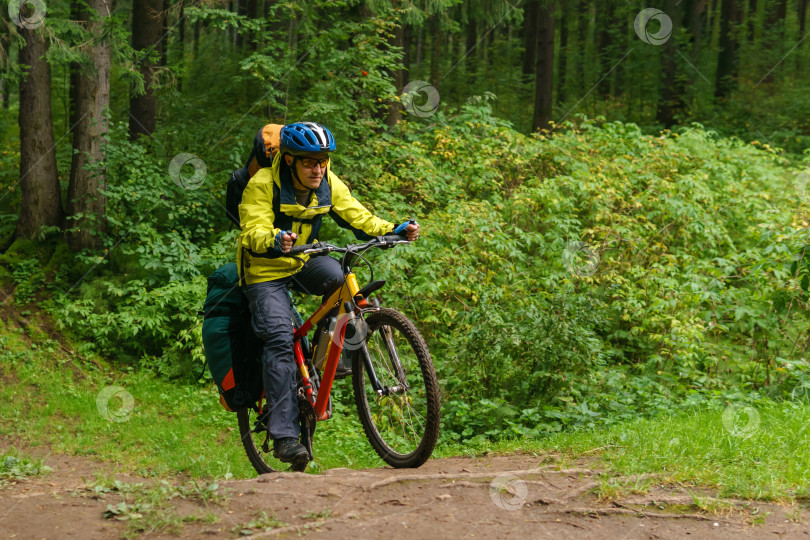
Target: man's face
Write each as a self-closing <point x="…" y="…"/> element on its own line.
<point x="310" y="176"/>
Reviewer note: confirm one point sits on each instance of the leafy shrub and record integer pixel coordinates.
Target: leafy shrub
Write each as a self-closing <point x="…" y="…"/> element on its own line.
<point x="566" y="279"/>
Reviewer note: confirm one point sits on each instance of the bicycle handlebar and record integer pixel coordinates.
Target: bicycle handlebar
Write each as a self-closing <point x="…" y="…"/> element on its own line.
<point x="386" y="241"/>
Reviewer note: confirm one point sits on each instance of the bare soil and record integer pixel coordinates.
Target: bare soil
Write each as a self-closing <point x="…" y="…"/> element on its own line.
<point x="514" y="496"/>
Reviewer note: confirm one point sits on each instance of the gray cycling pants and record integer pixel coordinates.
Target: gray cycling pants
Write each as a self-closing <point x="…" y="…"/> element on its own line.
<point x="272" y="323"/>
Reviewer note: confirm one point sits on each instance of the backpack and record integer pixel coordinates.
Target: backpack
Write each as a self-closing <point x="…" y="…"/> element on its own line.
<point x="265" y="147"/>
<point x="232" y="351"/>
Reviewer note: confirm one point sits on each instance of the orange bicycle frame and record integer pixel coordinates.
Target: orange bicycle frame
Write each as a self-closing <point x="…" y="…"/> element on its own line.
<point x="343" y="296"/>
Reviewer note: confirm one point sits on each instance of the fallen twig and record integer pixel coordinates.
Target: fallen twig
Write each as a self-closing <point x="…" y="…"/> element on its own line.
<point x="450" y="476"/>
<point x="464" y="483"/>
<point x="683" y="500"/>
<point x="628" y="511"/>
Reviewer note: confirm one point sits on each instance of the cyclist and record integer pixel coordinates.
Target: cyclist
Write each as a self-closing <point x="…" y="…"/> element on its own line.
<point x="282" y="206"/>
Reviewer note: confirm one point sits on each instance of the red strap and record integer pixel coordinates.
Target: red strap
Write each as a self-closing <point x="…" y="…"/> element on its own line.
<point x="228" y="382"/>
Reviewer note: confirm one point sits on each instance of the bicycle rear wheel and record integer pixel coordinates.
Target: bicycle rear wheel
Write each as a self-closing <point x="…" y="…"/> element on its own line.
<point x="252" y="431"/>
<point x="253" y="426"/>
<point x="403" y="425"/>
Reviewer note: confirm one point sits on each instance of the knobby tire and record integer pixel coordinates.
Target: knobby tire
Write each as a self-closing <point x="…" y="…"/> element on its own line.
<point x="246" y="418"/>
<point x="416" y="413"/>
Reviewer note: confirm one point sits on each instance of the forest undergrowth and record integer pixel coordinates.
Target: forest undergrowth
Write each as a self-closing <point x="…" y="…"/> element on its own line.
<point x="574" y="279"/>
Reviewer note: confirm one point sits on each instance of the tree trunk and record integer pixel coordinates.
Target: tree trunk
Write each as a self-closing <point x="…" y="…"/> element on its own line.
<point x="694" y="12"/>
<point x="394" y="114"/>
<point x="470" y="60"/>
<point x="419" y="43"/>
<point x="407" y="42"/>
<point x="574" y="70"/>
<point x="727" y="59"/>
<point x="230" y="34"/>
<point x="670" y="98"/>
<point x="530" y="37"/>
<point x="182" y="30"/>
<point x="436" y="52"/>
<point x="774" y="28"/>
<point x="164" y="33"/>
<point x="801" y="13"/>
<point x="76" y="14"/>
<point x="41" y="202"/>
<point x="604" y="46"/>
<point x="241" y="9"/>
<point x="563" y="56"/>
<point x="181" y="41"/>
<point x="196" y="45"/>
<point x="586" y="64"/>
<point x="544" y="67"/>
<point x="711" y="16"/>
<point x="93" y="101"/>
<point x="252" y="10"/>
<point x="752" y="19"/>
<point x="146" y="27"/>
<point x="779" y="12"/>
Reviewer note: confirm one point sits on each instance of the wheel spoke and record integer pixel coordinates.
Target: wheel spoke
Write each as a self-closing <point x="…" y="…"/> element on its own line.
<point x="418" y="416"/>
<point x="402" y="426"/>
<point x="401" y="420"/>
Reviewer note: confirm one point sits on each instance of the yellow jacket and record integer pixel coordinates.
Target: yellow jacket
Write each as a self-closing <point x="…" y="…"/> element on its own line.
<point x="269" y="206"/>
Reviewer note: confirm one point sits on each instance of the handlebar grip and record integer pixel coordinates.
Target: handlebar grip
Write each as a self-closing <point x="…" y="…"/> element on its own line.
<point x="394" y="237"/>
<point x="390" y="240"/>
<point x="297" y="250"/>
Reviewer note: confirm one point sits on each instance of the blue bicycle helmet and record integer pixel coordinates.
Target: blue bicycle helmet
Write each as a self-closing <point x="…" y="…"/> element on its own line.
<point x="307" y="137"/>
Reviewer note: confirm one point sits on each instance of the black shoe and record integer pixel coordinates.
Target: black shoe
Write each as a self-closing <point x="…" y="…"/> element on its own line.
<point x="289" y="450"/>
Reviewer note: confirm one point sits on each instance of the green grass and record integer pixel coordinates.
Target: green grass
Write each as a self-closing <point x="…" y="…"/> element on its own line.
<point x="172" y="428"/>
<point x="149" y="508"/>
<point x="14" y="466"/>
<point x="764" y="459"/>
<point x="261" y="523"/>
<point x="770" y="460"/>
<point x="181" y="430"/>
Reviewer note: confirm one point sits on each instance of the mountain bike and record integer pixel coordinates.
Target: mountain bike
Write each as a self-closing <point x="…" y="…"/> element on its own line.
<point x="393" y="378"/>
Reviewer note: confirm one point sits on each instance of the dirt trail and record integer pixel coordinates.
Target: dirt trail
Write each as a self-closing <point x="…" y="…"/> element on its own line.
<point x="516" y="496"/>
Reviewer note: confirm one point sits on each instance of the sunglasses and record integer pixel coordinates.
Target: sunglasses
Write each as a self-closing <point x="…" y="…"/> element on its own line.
<point x="309" y="163"/>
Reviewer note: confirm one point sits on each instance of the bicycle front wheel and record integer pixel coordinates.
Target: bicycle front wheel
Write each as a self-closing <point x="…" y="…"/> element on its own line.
<point x="402" y="424"/>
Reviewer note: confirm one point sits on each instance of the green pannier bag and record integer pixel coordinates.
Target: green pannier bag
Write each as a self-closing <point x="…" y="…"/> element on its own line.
<point x="232" y="350"/>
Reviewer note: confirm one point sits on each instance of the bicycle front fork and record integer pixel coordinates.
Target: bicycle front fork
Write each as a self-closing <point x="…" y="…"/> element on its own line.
<point x="380" y="389"/>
